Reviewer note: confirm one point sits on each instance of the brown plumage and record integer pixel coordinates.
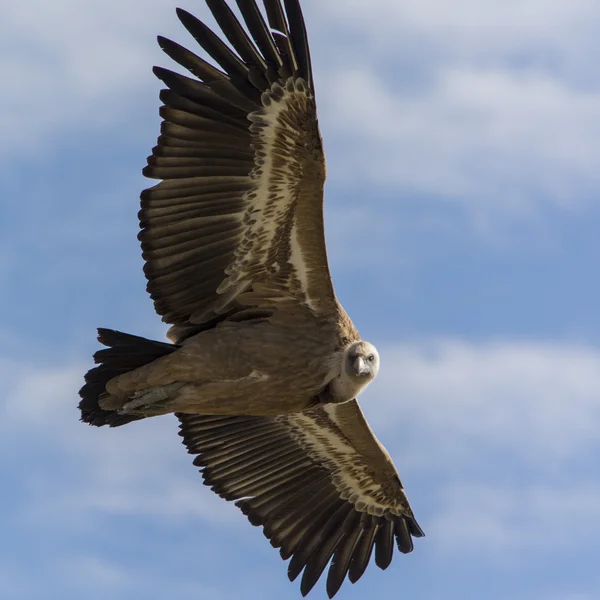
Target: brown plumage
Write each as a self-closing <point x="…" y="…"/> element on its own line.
<point x="265" y="365"/>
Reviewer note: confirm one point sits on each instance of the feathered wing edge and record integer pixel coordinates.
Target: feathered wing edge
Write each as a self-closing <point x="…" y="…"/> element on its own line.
<point x="297" y="491"/>
<point x="194" y="222"/>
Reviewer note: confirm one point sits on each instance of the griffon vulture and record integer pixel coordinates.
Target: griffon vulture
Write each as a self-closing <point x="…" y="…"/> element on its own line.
<point x="265" y="365"/>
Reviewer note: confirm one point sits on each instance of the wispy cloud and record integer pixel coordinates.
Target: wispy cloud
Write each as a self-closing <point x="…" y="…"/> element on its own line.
<point x="140" y="470"/>
<point x="486" y="105"/>
<point x="79" y="68"/>
<point x="490" y="105"/>
<point x="501" y="140"/>
<point x="534" y="401"/>
<point x="471" y="31"/>
<point x="503" y="522"/>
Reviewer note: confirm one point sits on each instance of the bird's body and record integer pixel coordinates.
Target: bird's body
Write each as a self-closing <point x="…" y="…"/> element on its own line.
<point x="265" y="364"/>
<point x="246" y="368"/>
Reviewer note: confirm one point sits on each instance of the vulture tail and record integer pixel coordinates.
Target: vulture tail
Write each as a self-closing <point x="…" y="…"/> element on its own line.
<point x="124" y="353"/>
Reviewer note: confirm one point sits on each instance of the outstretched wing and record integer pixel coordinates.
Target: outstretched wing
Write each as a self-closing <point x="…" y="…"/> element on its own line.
<point x="237" y="222"/>
<point x="319" y="482"/>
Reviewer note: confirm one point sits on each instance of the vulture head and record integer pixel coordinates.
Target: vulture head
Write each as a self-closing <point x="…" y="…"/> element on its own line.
<point x="361" y="362"/>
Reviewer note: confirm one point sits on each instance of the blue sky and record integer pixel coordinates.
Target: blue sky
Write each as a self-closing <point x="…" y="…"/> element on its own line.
<point x="463" y="145"/>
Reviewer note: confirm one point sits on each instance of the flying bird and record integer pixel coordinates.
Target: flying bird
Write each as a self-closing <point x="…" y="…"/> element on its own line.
<point x="265" y="365"/>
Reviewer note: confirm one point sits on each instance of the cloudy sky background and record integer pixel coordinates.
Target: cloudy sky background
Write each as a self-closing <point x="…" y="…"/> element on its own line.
<point x="463" y="144"/>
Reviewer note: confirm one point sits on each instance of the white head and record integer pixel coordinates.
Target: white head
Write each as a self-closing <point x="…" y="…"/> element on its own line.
<point x="361" y="362"/>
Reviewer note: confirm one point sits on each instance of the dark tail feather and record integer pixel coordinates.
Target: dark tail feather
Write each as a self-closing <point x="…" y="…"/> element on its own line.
<point x="125" y="352"/>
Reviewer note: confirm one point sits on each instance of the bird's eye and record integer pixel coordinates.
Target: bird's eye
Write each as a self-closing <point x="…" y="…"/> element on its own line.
<point x="370" y="358"/>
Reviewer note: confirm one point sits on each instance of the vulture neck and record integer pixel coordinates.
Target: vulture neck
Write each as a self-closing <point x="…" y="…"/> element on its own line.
<point x="344" y="388"/>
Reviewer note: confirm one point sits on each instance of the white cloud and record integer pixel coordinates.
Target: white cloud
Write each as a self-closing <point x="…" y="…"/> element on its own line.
<point x="468" y="29"/>
<point x="141" y="469"/>
<point x="79" y="68"/>
<point x="492" y="104"/>
<point x="504" y="521"/>
<point x="496" y="138"/>
<point x="536" y="402"/>
<point x="501" y="112"/>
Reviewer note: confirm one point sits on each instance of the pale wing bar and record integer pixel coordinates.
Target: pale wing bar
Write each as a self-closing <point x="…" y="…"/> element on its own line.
<point x="276" y="470"/>
<point x="192" y="223"/>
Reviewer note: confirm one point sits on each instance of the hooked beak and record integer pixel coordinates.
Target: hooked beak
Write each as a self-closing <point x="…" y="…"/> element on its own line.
<point x="360" y="366"/>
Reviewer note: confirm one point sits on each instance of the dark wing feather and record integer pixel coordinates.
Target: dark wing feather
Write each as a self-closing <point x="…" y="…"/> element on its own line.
<point x="318" y="482"/>
<point x="281" y="34"/>
<point x="228" y="230"/>
<point x="262" y="36"/>
<point x="340" y="562"/>
<point x="333" y="533"/>
<point x="299" y="40"/>
<point x="237" y="37"/>
<point x="362" y="553"/>
<point x="384" y="545"/>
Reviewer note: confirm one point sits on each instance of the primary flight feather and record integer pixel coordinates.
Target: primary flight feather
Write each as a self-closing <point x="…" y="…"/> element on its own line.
<point x="265" y="365"/>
